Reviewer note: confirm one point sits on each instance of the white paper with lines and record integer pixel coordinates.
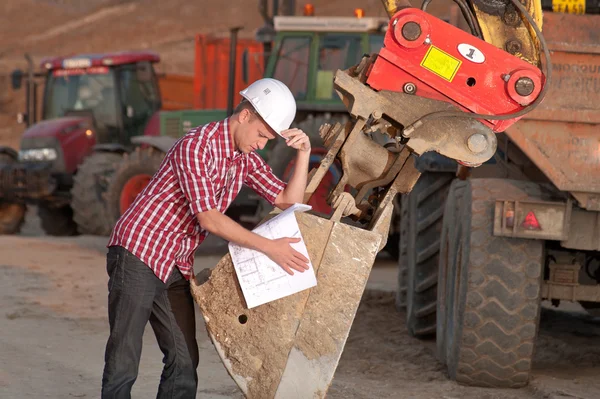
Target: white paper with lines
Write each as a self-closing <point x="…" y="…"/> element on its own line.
<point x="261" y="279"/>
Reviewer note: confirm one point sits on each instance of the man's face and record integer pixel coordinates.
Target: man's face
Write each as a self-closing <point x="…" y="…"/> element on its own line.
<point x="254" y="134"/>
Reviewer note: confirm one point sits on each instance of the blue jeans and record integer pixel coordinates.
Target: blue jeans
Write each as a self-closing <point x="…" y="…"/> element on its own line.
<point x="136" y="296"/>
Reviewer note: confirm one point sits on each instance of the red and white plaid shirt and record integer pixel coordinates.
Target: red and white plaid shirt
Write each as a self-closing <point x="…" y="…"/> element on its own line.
<point x="202" y="171"/>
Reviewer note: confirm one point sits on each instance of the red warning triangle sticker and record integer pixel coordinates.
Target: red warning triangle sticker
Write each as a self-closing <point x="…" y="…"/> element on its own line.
<point x="531" y="222"/>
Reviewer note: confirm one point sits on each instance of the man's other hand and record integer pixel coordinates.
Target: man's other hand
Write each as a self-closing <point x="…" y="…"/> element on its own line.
<point x="297" y="139"/>
<point x="282" y="253"/>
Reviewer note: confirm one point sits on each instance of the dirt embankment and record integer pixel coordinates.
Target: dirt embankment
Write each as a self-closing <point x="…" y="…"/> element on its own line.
<point x="46" y="28"/>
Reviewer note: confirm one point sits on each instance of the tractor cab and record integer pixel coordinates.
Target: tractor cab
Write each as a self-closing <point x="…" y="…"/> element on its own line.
<point x="309" y="49"/>
<point x="92" y="106"/>
<point x="120" y="97"/>
<point x="108" y="98"/>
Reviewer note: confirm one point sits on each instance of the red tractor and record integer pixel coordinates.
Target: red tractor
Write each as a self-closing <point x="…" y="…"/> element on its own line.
<point x="92" y="105"/>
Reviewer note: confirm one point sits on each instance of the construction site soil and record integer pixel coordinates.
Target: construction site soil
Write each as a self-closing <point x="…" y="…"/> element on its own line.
<point x="54" y="328"/>
<point x="53" y="291"/>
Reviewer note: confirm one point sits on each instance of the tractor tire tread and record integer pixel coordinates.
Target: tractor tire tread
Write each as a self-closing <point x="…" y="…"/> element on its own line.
<point x="57" y="221"/>
<point x="420" y="239"/>
<point x="89" y="208"/>
<point x="12" y="215"/>
<point x="141" y="160"/>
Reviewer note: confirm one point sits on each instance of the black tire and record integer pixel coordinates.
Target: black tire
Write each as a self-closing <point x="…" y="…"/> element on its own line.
<point x="90" y="184"/>
<point x="57" y="221"/>
<point x="447" y="252"/>
<point x="12" y="215"/>
<point x="402" y="254"/>
<point x="422" y="225"/>
<point x="141" y="164"/>
<point x="488" y="288"/>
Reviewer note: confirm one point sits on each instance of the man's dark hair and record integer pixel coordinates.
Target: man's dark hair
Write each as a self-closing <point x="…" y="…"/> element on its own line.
<point x="244" y="104"/>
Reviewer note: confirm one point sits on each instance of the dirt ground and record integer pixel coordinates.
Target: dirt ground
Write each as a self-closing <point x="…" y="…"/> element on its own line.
<point x="54" y="328"/>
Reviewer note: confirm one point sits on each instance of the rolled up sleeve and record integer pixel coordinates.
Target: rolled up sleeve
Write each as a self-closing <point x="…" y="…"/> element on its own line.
<point x="262" y="180"/>
<point x="192" y="162"/>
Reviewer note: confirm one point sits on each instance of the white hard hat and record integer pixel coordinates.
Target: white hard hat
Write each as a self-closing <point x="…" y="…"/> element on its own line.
<point x="273" y="101"/>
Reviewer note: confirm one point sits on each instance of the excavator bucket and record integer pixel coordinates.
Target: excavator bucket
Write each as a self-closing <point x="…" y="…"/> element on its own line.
<point x="290" y="348"/>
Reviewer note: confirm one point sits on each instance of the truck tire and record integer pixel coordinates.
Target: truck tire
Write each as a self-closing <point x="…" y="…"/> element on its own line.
<point x="488" y="288"/>
<point x="90" y="183"/>
<point x="402" y="254"/>
<point x="57" y="221"/>
<point x="422" y="224"/>
<point x="282" y="160"/>
<point x="132" y="175"/>
<point x="12" y="215"/>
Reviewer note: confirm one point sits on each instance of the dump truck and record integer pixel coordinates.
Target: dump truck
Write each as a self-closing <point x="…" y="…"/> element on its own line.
<point x="481" y="248"/>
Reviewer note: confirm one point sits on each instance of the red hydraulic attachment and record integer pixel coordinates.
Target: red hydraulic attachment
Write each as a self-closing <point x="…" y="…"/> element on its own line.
<point x="426" y="56"/>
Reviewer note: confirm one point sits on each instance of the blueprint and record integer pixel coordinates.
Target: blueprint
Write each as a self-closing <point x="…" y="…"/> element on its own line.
<point x="261" y="279"/>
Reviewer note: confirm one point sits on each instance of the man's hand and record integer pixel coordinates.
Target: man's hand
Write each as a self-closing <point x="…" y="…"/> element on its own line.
<point x="297" y="139"/>
<point x="281" y="252"/>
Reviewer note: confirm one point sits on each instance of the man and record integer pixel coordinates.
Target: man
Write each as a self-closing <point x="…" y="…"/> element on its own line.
<point x="151" y="249"/>
<point x="85" y="97"/>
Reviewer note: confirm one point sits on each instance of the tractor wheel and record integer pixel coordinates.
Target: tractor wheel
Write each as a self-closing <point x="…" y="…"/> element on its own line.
<point x="488" y="288"/>
<point x="131" y="177"/>
<point x="90" y="184"/>
<point x="57" y="221"/>
<point x="423" y="211"/>
<point x="282" y="160"/>
<point x="12" y="215"/>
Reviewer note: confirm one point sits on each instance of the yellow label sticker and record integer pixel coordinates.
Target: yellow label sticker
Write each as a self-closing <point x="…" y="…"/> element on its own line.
<point x="441" y="63"/>
<point x="569" y="6"/>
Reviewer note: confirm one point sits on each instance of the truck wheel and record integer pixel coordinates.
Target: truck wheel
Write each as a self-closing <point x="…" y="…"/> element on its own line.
<point x="57" y="221"/>
<point x="282" y="161"/>
<point x="402" y="254"/>
<point x="90" y="183"/>
<point x="421" y="226"/>
<point x="133" y="174"/>
<point x="12" y="215"/>
<point x="488" y="288"/>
